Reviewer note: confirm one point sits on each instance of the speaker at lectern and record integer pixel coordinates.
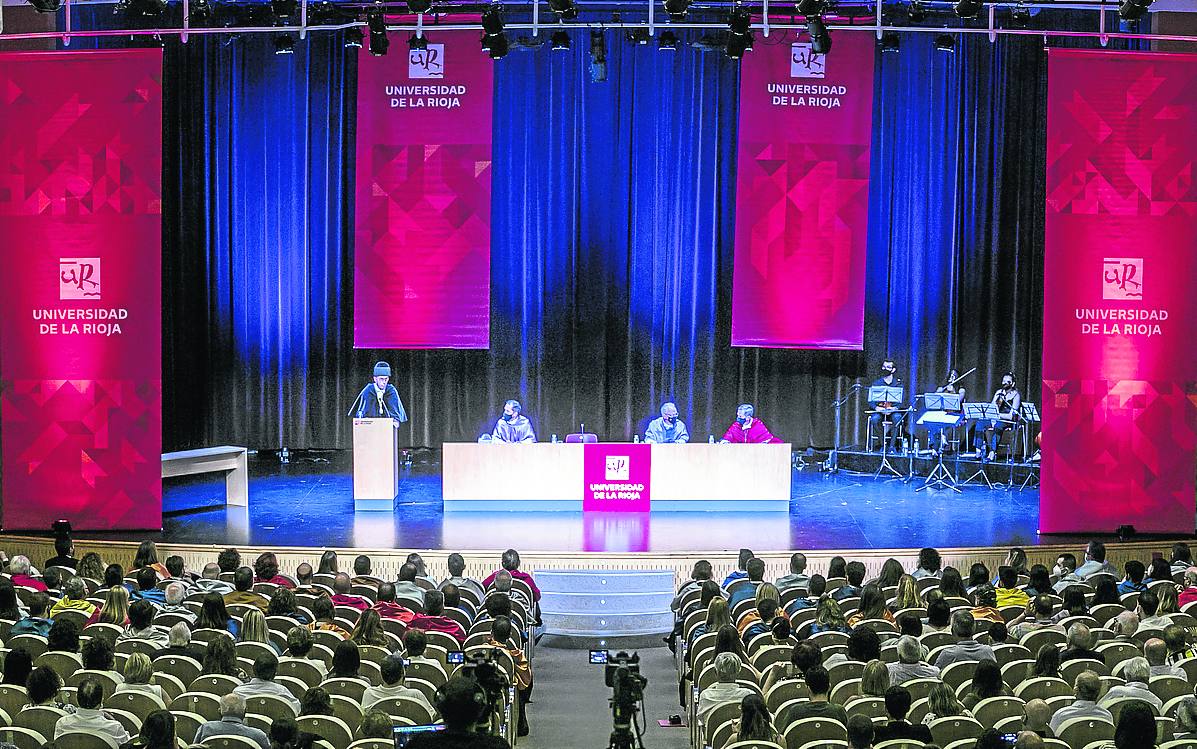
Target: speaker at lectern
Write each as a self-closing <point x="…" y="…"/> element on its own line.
<point x="377" y="413"/>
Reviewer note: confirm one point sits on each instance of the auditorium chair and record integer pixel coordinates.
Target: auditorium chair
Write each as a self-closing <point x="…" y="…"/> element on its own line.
<point x="332" y="729"/>
<point x="1179" y="744"/>
<point x="769" y="655"/>
<point x="83" y="740"/>
<point x="140" y="704"/>
<point x="722" y="735"/>
<point x="205" y="705"/>
<point x="801" y="732"/>
<point x="582" y="437"/>
<point x="954" y="728"/>
<point x="755" y="744"/>
<point x="993" y="709"/>
<point x="785" y="691"/>
<point x="841" y="691"/>
<point x="872" y="708"/>
<point x="1016" y="672"/>
<point x="40" y="718"/>
<point x="1069" y="670"/>
<point x="824" y="744"/>
<point x="347" y="687"/>
<point x="902" y="744"/>
<point x="205" y="635"/>
<point x="1011" y="652"/>
<point x="63" y="664"/>
<point x="181" y="667"/>
<point x="372" y="744"/>
<point x="845" y="670"/>
<point x="231" y="742"/>
<point x="106" y="680"/>
<point x="347" y="709"/>
<point x="12" y="698"/>
<point x="129" y="647"/>
<point x="1081" y="732"/>
<point x="35" y="645"/>
<point x="216" y="684"/>
<point x="722" y="713"/>
<point x="252" y="651"/>
<point x="171" y="685"/>
<point x="1042" y="687"/>
<point x="427" y="673"/>
<point x="428" y="689"/>
<point x="1114" y="653"/>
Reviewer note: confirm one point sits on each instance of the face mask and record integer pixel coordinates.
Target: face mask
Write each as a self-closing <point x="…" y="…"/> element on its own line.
<point x="741" y="419"/>
<point x="508" y="417"/>
<point x="1007" y="385"/>
<point x="669" y="419"/>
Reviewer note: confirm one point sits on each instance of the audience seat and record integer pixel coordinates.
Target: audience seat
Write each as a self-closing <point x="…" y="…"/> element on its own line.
<point x="845" y="670"/>
<point x="872" y="708"/>
<point x="1114" y="653"/>
<point x="920" y="688"/>
<point x="802" y="732"/>
<point x="843" y="690"/>
<point x="140" y="704"/>
<point x="71" y="615"/>
<point x="296" y="687"/>
<point x="957" y="673"/>
<point x="129" y="647"/>
<point x="1036" y="639"/>
<point x="1080" y="732"/>
<point x="40" y="718"/>
<point x="1069" y="670"/>
<point x="63" y="664"/>
<point x="82" y="740"/>
<point x="107" y="681"/>
<point x="989" y="711"/>
<point x="217" y="684"/>
<point x="332" y="729"/>
<point x="754" y="745"/>
<point x="181" y="667"/>
<point x="230" y="742"/>
<point x="785" y="690"/>
<point x="372" y="744"/>
<point x="1011" y="652"/>
<point x="23" y="738"/>
<point x="1042" y="687"/>
<point x="303" y="670"/>
<point x="829" y="744"/>
<point x="347" y="709"/>
<point x="902" y="744"/>
<point x="202" y="704"/>
<point x="186" y="724"/>
<point x="953" y="728"/>
<point x="351" y="688"/>
<point x="427" y="673"/>
<point x="405" y="707"/>
<point x="1169" y="687"/>
<point x="35" y="645"/>
<point x="172" y="685"/>
<point x="204" y="636"/>
<point x="270" y="706"/>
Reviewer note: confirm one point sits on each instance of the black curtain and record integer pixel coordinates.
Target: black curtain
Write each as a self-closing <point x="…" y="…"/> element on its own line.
<point x="611" y="251"/>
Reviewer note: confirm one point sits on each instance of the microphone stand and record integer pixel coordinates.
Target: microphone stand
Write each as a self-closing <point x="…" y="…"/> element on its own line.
<point x="833" y="463"/>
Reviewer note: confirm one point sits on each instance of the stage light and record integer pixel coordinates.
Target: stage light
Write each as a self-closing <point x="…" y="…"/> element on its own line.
<point x="968" y="8"/>
<point x="945" y="43"/>
<point x="917" y="13"/>
<point x="495" y="46"/>
<point x="677" y="9"/>
<point x="284" y="45"/>
<point x="1132" y="10"/>
<point x="416" y="7"/>
<point x="564" y="9"/>
<point x="284" y="9"/>
<point x="377" y="22"/>
<point x="415" y="43"/>
<point x="46" y="6"/>
<point x="492" y="21"/>
<point x="812" y="7"/>
<point x="667" y="40"/>
<point x="740" y="22"/>
<point x="1020" y="16"/>
<point x="598" y="56"/>
<point x="889" y="42"/>
<point x="820" y="37"/>
<point x="354" y="38"/>
<point x="639" y="36"/>
<point x="560" y="40"/>
<point x="200" y="12"/>
<point x="146" y="8"/>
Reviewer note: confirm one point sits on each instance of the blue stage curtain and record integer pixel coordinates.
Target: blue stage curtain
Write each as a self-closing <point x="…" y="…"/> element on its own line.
<point x="612" y="243"/>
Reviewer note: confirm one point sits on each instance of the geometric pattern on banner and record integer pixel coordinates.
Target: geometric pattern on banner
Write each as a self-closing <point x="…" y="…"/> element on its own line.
<point x="81" y="160"/>
<point x="81" y="442"/>
<point x="1125" y="147"/>
<point x="1105" y="443"/>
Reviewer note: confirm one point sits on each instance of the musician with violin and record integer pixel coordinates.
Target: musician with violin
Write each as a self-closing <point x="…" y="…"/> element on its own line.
<point x="937" y="432"/>
<point x="1008" y="401"/>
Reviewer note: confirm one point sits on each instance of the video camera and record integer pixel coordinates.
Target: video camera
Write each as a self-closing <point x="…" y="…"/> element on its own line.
<point x="483" y="667"/>
<point x="621" y="673"/>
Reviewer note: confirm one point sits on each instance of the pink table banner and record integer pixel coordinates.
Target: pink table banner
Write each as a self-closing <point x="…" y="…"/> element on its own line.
<point x="81" y="313"/>
<point x="422" y="239"/>
<point x="1119" y="366"/>
<point x="617" y="477"/>
<point x="802" y="194"/>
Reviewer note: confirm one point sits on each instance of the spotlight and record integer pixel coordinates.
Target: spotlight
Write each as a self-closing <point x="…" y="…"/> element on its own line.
<point x="284" y="45"/>
<point x="354" y="38"/>
<point x="917" y="13"/>
<point x="968" y="8"/>
<point x="639" y="36"/>
<point x="1020" y="16"/>
<point x="200" y="12"/>
<point x="812" y="7"/>
<point x="740" y="22"/>
<point x="377" y="22"/>
<point x="560" y="40"/>
<point x="667" y="40"/>
<point x="284" y="9"/>
<point x="46" y="6"/>
<point x="146" y="8"/>
<point x="1132" y="10"/>
<point x="417" y="42"/>
<point x="820" y="37"/>
<point x="564" y="9"/>
<point x="945" y="43"/>
<point x="889" y="42"/>
<point x="739" y="27"/>
<point x="492" y="21"/>
<point x="677" y="9"/>
<point x="416" y="7"/>
<point x="496" y="46"/>
<point x="598" y="56"/>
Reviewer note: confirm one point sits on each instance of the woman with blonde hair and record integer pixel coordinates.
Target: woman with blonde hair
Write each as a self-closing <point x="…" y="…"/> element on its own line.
<point x="115" y="609"/>
<point x="718" y="615"/>
<point x="368" y="630"/>
<point x="1168" y="600"/>
<point x="138" y="672"/>
<point x="942" y="703"/>
<point x="907" y="595"/>
<point x="829" y="617"/>
<point x="873" y="682"/>
<point x="255" y="629"/>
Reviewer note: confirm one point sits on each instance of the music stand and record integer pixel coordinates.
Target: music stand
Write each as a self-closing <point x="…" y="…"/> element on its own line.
<point x="1030" y="415"/>
<point x="886" y="394"/>
<point x="942" y="410"/>
<point x="979" y="412"/>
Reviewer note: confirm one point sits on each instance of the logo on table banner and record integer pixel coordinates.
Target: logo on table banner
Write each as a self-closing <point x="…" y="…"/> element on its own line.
<point x="1122" y="279"/>
<point x="619" y="468"/>
<point x="78" y="278"/>
<point x="426" y="63"/>
<point x="805" y="62"/>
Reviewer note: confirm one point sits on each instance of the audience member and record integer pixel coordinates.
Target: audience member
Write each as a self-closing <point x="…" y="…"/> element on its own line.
<point x="1136" y="727"/>
<point x="872" y="606"/>
<point x="743" y="591"/>
<point x="861" y="732"/>
<point x="819" y="705"/>
<point x="1124" y="626"/>
<point x="1155" y="651"/>
<point x="368" y="630"/>
<point x="815" y="589"/>
<point x="1047" y="661"/>
<point x="966" y="648"/>
<point x="137" y="673"/>
<point x="346" y="661"/>
<point x="147" y="557"/>
<point x="263" y="683"/>
<point x="141" y="625"/>
<point x="797" y="577"/>
<point x="64" y="551"/>
<point x="1095" y="561"/>
<point x="897" y="705"/>
<point x="266" y="571"/>
<point x="342" y="586"/>
<point x="214" y="615"/>
<point x="741" y="570"/>
<point x="460" y="710"/>
<point x="210" y="582"/>
<point x="1087" y="688"/>
<point x="316" y="701"/>
<point x="1177" y="641"/>
<point x="231" y="723"/>
<point x="88" y="718"/>
<point x="376" y="725"/>
<point x="22" y="574"/>
<point x="176" y="593"/>
<point x="147" y="590"/>
<point x="986" y="608"/>
<point x="325" y="621"/>
<point x="864" y="645"/>
<point x="928" y="564"/>
<point x="36" y="622"/>
<point x="802" y="656"/>
<point x="951" y="584"/>
<point x="1036" y="715"/>
<point x="1079" y="644"/>
<point x="1136" y="672"/>
<point x="243" y="594"/>
<point x="1148" y="609"/>
<point x="1038" y="615"/>
<point x="1189" y="594"/>
<point x="221" y="658"/>
<point x="755" y="722"/>
<point x="17" y="666"/>
<point x="44" y="687"/>
<point x="1186" y="720"/>
<point x="942" y="703"/>
<point x="986" y="682"/>
<point x="299" y="648"/>
<point x="433" y="619"/>
<point x="1133" y="582"/>
<point x="179" y="644"/>
<point x="855" y="573"/>
<point x="97" y="655"/>
<point x="63" y="636"/>
<point x="456" y="563"/>
<point x="727" y="670"/>
<point x="415" y="642"/>
<point x="228" y="560"/>
<point x="1008" y="592"/>
<point x="393" y="685"/>
<point x="1064" y="572"/>
<point x="91" y="566"/>
<point x="363" y="572"/>
<point x="829" y="617"/>
<point x="910" y="665"/>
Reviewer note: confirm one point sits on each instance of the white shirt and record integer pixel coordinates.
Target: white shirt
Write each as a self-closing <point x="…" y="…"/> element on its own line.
<point x="153" y="689"/>
<point x="1168" y="670"/>
<point x="258" y="687"/>
<point x="717" y="694"/>
<point x="1135" y="689"/>
<point x="373" y="695"/>
<point x="319" y="664"/>
<point x="1079" y="709"/>
<point x="91" y="721"/>
<point x="1155" y="622"/>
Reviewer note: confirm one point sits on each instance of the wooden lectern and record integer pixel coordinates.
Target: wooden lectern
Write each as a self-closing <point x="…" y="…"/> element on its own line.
<point x="375" y="464"/>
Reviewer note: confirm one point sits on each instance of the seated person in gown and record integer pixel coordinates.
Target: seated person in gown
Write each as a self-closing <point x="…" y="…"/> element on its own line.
<point x="379" y="399"/>
<point x="747" y="429"/>
<point x="884" y="411"/>
<point x="668" y="429"/>
<point x="512" y="426"/>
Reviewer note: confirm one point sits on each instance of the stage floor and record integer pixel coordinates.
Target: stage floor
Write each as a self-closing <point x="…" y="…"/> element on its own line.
<point x="310" y="503"/>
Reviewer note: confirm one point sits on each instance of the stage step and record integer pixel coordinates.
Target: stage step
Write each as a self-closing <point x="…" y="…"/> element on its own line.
<point x="584" y="606"/>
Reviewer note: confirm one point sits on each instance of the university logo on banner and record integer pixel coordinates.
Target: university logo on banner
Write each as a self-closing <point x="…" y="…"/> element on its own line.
<point x="805" y="62"/>
<point x="426" y="63"/>
<point x="619" y="468"/>
<point x="1122" y="279"/>
<point x="78" y="278"/>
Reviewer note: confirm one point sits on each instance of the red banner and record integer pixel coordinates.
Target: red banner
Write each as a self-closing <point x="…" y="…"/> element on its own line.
<point x="422" y="262"/>
<point x="802" y="194"/>
<point x="1120" y="270"/>
<point x="81" y="313"/>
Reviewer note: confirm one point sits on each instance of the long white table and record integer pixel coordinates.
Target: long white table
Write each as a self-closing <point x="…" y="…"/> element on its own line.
<point x="549" y="477"/>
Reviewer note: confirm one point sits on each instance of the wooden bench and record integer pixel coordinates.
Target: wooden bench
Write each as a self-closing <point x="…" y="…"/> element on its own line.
<point x="227" y="458"/>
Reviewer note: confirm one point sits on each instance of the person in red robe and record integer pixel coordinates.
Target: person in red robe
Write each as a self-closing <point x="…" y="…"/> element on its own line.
<point x="387" y="608"/>
<point x="434" y="619"/>
<point x="342" y="597"/>
<point x="747" y="429"/>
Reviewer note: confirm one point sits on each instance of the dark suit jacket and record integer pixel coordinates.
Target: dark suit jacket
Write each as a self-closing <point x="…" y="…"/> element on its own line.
<point x="367" y="404"/>
<point x="900" y="729"/>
